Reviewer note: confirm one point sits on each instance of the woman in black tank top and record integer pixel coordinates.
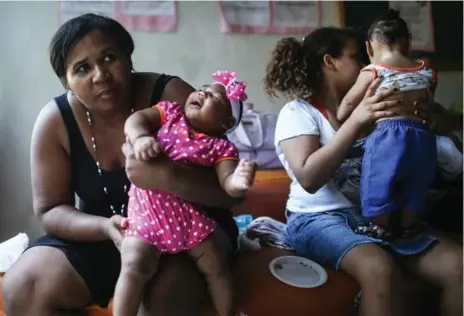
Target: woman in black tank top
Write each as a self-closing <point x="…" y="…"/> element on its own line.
<point x="76" y="150"/>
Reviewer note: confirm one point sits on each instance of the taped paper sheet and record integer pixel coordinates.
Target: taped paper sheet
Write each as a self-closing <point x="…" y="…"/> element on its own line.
<point x="271" y="17"/>
<point x="418" y="16"/>
<point x="149" y="16"/>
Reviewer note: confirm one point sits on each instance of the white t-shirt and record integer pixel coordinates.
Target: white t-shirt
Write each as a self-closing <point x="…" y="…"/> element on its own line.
<point x="300" y="118"/>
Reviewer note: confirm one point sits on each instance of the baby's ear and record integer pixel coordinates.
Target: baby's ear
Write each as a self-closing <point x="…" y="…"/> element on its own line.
<point x="230" y="122"/>
<point x="369" y="49"/>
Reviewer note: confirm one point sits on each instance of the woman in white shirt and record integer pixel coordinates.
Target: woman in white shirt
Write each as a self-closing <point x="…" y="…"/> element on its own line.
<point x="315" y="74"/>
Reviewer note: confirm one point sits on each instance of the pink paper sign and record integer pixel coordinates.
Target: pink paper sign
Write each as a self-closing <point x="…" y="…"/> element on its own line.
<point x="270" y="17"/>
<point x="418" y="16"/>
<point x="149" y="16"/>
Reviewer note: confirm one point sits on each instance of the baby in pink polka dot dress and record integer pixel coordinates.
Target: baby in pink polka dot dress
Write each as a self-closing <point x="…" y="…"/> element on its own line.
<point x="160" y="222"/>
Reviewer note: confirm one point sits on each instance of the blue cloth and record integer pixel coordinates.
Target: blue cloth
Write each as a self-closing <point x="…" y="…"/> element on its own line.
<point x="326" y="237"/>
<point x="399" y="165"/>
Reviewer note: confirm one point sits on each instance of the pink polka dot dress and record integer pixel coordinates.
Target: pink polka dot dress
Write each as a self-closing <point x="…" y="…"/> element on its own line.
<point x="168" y="222"/>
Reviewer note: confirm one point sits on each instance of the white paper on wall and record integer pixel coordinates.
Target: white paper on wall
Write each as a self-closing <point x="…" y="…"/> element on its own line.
<point x="136" y="7"/>
<point x="296" y="14"/>
<point x="418" y="16"/>
<point x="151" y="16"/>
<point x="72" y="9"/>
<point x="272" y="17"/>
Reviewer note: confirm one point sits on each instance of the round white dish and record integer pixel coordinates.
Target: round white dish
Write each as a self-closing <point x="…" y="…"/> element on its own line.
<point x="298" y="272"/>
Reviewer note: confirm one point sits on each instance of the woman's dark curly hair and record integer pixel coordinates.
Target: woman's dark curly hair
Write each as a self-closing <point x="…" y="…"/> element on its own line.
<point x="295" y="67"/>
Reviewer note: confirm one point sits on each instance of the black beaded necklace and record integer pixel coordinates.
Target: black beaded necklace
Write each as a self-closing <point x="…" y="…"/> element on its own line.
<point x="99" y="169"/>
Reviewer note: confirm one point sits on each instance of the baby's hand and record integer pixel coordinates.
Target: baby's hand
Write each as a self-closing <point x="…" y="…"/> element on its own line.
<point x="146" y="148"/>
<point x="243" y="176"/>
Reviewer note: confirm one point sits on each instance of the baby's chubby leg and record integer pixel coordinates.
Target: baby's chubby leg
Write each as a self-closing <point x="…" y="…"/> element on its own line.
<point x="210" y="262"/>
<point x="139" y="262"/>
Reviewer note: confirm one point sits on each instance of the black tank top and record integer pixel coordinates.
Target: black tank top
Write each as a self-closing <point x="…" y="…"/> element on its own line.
<point x="88" y="185"/>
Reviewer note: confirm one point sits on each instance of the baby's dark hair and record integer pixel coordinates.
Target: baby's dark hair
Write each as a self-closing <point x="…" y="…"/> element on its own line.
<point x="295" y="67"/>
<point x="389" y="29"/>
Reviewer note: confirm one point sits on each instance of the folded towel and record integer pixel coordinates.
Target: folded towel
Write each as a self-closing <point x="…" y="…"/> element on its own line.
<point x="265" y="231"/>
<point x="11" y="249"/>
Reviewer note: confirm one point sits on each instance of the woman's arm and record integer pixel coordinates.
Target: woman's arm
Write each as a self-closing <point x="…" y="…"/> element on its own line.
<point x="313" y="165"/>
<point x="441" y="120"/>
<point x="355" y="95"/>
<point x="195" y="184"/>
<point x="444" y="122"/>
<point x="53" y="198"/>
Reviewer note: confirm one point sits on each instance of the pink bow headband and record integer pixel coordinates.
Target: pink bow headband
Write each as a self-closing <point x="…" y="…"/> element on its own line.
<point x="235" y="91"/>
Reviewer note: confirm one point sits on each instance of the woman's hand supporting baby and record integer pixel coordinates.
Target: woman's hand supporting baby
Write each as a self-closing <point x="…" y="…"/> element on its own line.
<point x="114" y="227"/>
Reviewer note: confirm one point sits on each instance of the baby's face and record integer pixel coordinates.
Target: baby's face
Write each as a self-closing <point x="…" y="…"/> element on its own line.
<point x="209" y="110"/>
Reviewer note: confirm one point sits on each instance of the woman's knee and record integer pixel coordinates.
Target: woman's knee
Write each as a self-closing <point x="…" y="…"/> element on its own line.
<point x="452" y="266"/>
<point x="27" y="285"/>
<point x="370" y="264"/>
<point x="177" y="288"/>
<point x="18" y="288"/>
<point x="21" y="281"/>
<point x="382" y="267"/>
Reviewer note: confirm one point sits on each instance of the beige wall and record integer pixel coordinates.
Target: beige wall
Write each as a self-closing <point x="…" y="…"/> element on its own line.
<point x="27" y="81"/>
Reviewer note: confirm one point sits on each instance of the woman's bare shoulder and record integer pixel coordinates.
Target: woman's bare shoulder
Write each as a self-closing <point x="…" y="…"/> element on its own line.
<point x="176" y="90"/>
<point x="142" y="85"/>
<point x="144" y="81"/>
<point x="50" y="125"/>
<point x="49" y="115"/>
<point x="147" y="80"/>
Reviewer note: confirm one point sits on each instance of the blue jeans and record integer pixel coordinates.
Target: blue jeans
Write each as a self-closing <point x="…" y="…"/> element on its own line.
<point x="326" y="237"/>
